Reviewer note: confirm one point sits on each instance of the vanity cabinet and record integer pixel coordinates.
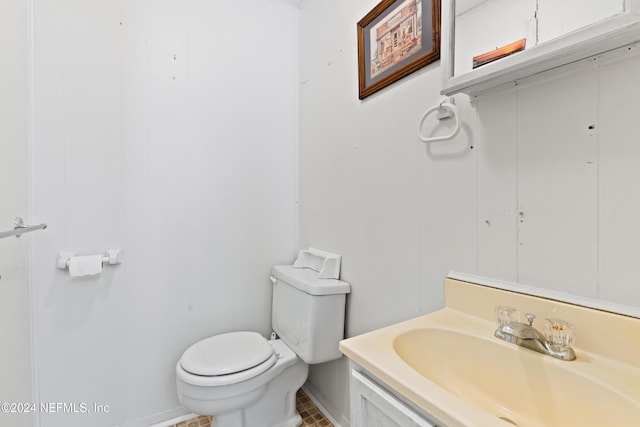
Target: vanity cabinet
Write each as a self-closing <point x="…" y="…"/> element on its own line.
<point x="373" y="406"/>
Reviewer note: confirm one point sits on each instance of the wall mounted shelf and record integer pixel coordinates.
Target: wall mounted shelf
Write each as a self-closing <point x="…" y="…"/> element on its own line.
<point x="602" y="36"/>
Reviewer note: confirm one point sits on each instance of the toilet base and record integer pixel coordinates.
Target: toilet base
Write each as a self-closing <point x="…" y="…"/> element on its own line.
<point x="293" y="422"/>
<point x="276" y="408"/>
<point x="255" y="417"/>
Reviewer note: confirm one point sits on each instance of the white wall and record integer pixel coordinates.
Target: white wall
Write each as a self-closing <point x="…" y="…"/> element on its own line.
<point x="165" y="128"/>
<point x="526" y="192"/>
<point x="15" y="331"/>
<point x="370" y="192"/>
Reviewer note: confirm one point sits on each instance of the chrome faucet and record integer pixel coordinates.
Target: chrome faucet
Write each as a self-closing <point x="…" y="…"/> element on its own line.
<point x="525" y="335"/>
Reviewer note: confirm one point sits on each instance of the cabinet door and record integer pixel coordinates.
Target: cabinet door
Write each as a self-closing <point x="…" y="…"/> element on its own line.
<point x="372" y="406"/>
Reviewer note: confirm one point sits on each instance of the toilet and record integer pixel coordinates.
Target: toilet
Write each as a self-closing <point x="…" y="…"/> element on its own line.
<point x="245" y="380"/>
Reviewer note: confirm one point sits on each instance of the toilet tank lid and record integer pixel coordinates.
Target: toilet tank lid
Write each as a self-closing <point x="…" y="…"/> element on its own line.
<point x="307" y="280"/>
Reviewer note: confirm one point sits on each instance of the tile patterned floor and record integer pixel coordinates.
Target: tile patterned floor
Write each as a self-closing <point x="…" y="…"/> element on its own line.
<point x="203" y="421"/>
<point x="311" y="415"/>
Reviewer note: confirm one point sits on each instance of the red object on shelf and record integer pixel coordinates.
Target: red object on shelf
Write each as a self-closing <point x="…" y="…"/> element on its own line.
<point x="501" y="52"/>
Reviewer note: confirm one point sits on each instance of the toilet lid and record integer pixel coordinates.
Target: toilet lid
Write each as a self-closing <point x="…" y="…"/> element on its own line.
<point x="226" y="354"/>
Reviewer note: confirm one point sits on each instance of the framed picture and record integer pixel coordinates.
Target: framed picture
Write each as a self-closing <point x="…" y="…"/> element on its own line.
<point x="395" y="39"/>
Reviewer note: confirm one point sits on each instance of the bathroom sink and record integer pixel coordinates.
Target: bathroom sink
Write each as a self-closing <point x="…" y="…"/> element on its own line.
<point x="517" y="385"/>
<point x="449" y="365"/>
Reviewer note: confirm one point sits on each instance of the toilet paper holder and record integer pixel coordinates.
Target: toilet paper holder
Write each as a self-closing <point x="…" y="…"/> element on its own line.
<point x="110" y="257"/>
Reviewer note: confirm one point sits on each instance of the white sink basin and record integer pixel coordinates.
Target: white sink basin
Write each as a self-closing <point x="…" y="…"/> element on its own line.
<point x="517" y="385"/>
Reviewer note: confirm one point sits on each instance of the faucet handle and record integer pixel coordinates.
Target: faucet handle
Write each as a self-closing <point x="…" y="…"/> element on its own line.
<point x="506" y="314"/>
<point x="560" y="332"/>
<point x="530" y="317"/>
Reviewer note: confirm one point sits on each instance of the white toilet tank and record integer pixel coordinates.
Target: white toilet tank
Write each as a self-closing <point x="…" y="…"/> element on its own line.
<point x="308" y="312"/>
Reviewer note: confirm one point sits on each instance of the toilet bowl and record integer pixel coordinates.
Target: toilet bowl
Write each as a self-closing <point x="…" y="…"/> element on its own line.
<point x="259" y="395"/>
<point x="245" y="380"/>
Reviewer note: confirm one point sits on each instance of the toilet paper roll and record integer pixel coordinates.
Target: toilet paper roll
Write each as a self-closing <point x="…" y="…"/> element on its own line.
<point x="87" y="265"/>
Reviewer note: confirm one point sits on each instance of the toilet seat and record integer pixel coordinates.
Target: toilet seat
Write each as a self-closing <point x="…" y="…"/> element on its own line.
<point x="228" y="358"/>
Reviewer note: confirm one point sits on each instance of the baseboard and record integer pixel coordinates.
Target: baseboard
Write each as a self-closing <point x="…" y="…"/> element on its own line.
<point x="163" y="419"/>
<point x="309" y="390"/>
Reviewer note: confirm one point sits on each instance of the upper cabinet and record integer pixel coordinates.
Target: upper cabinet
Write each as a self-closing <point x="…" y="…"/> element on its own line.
<point x="487" y="43"/>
